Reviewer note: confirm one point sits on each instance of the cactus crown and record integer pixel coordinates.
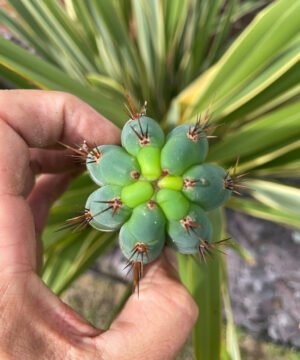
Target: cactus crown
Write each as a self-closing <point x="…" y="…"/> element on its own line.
<point x="156" y="190"/>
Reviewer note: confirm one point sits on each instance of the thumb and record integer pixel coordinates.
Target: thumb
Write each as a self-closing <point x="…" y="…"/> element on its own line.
<point x="154" y="325"/>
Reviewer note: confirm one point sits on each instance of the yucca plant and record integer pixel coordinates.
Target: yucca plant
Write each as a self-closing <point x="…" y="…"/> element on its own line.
<point x="182" y="57"/>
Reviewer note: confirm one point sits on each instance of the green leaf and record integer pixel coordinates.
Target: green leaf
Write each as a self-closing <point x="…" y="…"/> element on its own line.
<point x="78" y="11"/>
<point x="118" y="57"/>
<point x="68" y="253"/>
<point x="285" y="71"/>
<point x="268" y="33"/>
<point x="222" y="32"/>
<point x="13" y="80"/>
<point x="275" y="195"/>
<point x="70" y="259"/>
<point x="21" y="31"/>
<point x="262" y="211"/>
<point x="264" y="39"/>
<point x="175" y="13"/>
<point x="101" y="82"/>
<point x="203" y="280"/>
<point x="287" y="164"/>
<point x="62" y="34"/>
<point x="232" y="345"/>
<point x="46" y="76"/>
<point x="267" y="133"/>
<point x="209" y="18"/>
<point x="70" y="204"/>
<point x="150" y="38"/>
<point x="241" y="251"/>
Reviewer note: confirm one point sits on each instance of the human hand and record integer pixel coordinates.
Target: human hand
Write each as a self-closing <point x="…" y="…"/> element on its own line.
<point x="36" y="324"/>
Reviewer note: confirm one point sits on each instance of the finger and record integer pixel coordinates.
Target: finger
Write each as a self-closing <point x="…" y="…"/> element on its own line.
<point x="48" y="161"/>
<point x="44" y="117"/>
<point x="154" y="325"/>
<point x="17" y="235"/>
<point x="35" y="119"/>
<point x="40" y="119"/>
<point x="47" y="189"/>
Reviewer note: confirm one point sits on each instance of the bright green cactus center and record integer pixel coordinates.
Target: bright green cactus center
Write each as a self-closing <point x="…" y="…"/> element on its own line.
<point x="171" y="182"/>
<point x="157" y="190"/>
<point x="138" y="193"/>
<point x="149" y="161"/>
<point x="173" y="203"/>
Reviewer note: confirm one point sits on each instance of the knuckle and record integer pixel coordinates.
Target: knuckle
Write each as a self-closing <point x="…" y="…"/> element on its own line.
<point x="189" y="307"/>
<point x="68" y="97"/>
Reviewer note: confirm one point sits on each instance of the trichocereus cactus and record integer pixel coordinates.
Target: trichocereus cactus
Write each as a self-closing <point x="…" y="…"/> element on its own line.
<point x="156" y="189"/>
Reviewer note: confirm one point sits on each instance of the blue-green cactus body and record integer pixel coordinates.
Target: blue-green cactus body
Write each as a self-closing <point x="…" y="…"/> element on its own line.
<point x="141" y="132"/>
<point x="186" y="233"/>
<point x="107" y="211"/>
<point x="147" y="221"/>
<point x="114" y="167"/>
<point x="204" y="185"/>
<point x="134" y="250"/>
<point x="143" y="234"/>
<point x="183" y="150"/>
<point x="179" y="130"/>
<point x="137" y="193"/>
<point x="174" y="205"/>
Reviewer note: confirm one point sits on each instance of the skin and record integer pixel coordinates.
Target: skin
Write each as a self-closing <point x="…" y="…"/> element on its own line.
<point x="36" y="324"/>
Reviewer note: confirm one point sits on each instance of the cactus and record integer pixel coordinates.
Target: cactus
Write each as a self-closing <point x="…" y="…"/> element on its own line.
<point x="188" y="233"/>
<point x="140" y="132"/>
<point x="107" y="211"/>
<point x="156" y="190"/>
<point x="205" y="185"/>
<point x="113" y="166"/>
<point x="186" y="146"/>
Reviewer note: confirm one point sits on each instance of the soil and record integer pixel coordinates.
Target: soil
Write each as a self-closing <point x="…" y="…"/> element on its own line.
<point x="266" y="296"/>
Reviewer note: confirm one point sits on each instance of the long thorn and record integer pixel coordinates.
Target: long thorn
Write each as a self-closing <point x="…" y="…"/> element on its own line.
<point x="140" y="137"/>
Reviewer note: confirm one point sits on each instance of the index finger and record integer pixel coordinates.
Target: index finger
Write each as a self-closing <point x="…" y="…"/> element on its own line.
<point x="33" y="118"/>
<point x="44" y="117"/>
